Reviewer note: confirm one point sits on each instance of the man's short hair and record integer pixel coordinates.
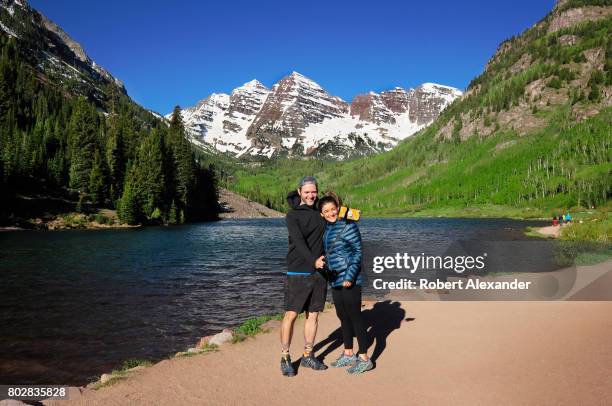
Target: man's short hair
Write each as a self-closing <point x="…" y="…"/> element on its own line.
<point x="308" y="179"/>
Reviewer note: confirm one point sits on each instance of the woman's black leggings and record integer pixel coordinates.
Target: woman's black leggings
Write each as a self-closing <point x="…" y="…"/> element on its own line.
<point x="348" y="309"/>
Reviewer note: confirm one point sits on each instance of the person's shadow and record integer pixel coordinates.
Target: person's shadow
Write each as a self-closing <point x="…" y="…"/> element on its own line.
<point x="380" y="321"/>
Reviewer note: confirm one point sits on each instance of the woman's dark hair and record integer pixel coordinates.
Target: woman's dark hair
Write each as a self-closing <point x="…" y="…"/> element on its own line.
<point x="335" y="196"/>
<point x="326" y="199"/>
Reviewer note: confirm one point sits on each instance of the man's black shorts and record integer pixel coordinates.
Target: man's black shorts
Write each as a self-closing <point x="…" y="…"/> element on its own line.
<point x="305" y="293"/>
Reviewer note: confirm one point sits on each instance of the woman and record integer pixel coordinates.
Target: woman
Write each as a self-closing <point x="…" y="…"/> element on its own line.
<point x="342" y="244"/>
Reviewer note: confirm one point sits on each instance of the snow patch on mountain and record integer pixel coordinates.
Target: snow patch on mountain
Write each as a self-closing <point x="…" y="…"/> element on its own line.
<point x="347" y="130"/>
<point x="8" y="30"/>
<point x="449" y="94"/>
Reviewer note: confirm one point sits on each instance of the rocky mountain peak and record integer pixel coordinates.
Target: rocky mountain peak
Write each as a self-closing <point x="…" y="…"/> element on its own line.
<point x="371" y="107"/>
<point x="251" y="86"/>
<point x="397" y="100"/>
<point x="428" y="100"/>
<point x="301" y="80"/>
<point x="215" y="99"/>
<point x="294" y="102"/>
<point x="245" y="102"/>
<point x="297" y="116"/>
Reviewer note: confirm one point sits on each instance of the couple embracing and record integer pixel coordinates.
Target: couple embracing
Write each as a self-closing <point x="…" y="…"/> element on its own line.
<point x="323" y="249"/>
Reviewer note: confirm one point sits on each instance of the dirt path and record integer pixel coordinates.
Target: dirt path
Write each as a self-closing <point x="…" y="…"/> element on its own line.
<point x="428" y="353"/>
<point x="244" y="208"/>
<point x="550" y="231"/>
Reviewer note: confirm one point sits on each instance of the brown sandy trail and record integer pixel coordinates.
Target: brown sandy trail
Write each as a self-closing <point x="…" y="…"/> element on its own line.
<point x="243" y="208"/>
<point x="460" y="353"/>
<point x="550" y="231"/>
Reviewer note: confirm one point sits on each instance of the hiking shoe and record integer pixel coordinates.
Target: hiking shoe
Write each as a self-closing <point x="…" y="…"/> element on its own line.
<point x="311" y="362"/>
<point x="344" y="361"/>
<point x="286" y="366"/>
<point x="360" y="367"/>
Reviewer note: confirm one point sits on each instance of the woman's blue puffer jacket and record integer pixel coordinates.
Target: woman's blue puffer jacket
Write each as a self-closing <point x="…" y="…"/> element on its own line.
<point x="343" y="254"/>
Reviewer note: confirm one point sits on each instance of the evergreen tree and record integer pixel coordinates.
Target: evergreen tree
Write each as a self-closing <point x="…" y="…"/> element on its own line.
<point x="56" y="168"/>
<point x="128" y="211"/>
<point x="8" y="76"/>
<point x="97" y="184"/>
<point x="184" y="163"/>
<point x="172" y="216"/>
<point x="115" y="159"/>
<point x="129" y="207"/>
<point x="151" y="172"/>
<point x="82" y="144"/>
<point x="185" y="173"/>
<point x="176" y="122"/>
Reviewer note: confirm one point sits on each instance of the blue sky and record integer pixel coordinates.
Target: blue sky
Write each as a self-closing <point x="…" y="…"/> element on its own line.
<point x="170" y="53"/>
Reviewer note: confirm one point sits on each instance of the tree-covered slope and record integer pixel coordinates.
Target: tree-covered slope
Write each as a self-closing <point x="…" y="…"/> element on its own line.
<point x="59" y="152"/>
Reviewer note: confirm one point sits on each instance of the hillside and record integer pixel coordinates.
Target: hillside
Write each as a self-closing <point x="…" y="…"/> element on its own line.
<point x="71" y="139"/>
<point x="55" y="57"/>
<point x="530" y="136"/>
<point x="234" y="206"/>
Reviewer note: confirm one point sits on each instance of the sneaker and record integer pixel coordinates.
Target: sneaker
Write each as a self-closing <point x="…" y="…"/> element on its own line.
<point x="344" y="361"/>
<point x="311" y="362"/>
<point x="360" y="367"/>
<point x="286" y="366"/>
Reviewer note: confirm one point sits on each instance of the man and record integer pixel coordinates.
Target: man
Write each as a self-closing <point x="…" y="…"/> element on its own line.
<point x="305" y="287"/>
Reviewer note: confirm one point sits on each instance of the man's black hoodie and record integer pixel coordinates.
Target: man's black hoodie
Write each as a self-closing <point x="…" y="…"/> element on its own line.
<point x="306" y="228"/>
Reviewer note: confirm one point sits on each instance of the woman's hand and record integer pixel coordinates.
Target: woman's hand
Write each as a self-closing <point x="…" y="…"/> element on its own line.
<point x="347" y="284"/>
<point x="320" y="262"/>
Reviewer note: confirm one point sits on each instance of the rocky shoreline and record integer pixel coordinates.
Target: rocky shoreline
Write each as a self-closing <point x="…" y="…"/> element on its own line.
<point x="233" y="206"/>
<point x="103" y="219"/>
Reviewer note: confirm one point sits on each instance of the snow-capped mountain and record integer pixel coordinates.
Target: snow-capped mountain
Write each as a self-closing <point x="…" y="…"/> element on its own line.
<point x="298" y="117"/>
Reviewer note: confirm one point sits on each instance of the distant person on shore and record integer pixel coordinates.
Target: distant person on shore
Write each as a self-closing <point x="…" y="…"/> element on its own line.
<point x="343" y="252"/>
<point x="555" y="221"/>
<point x="305" y="287"/>
<point x="561" y="219"/>
<point x="568" y="218"/>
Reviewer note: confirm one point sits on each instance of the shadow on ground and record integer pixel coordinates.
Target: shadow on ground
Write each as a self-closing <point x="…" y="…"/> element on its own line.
<point x="381" y="320"/>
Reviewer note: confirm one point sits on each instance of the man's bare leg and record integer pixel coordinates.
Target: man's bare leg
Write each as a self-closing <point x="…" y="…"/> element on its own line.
<point x="310" y="331"/>
<point x="286" y="331"/>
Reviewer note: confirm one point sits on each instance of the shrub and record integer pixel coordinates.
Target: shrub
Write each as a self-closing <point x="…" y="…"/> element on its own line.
<point x="102" y="219"/>
<point x="555" y="83"/>
<point x="252" y="326"/>
<point x="566" y="74"/>
<point x="157" y="214"/>
<point x="133" y="363"/>
<point x="595" y="93"/>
